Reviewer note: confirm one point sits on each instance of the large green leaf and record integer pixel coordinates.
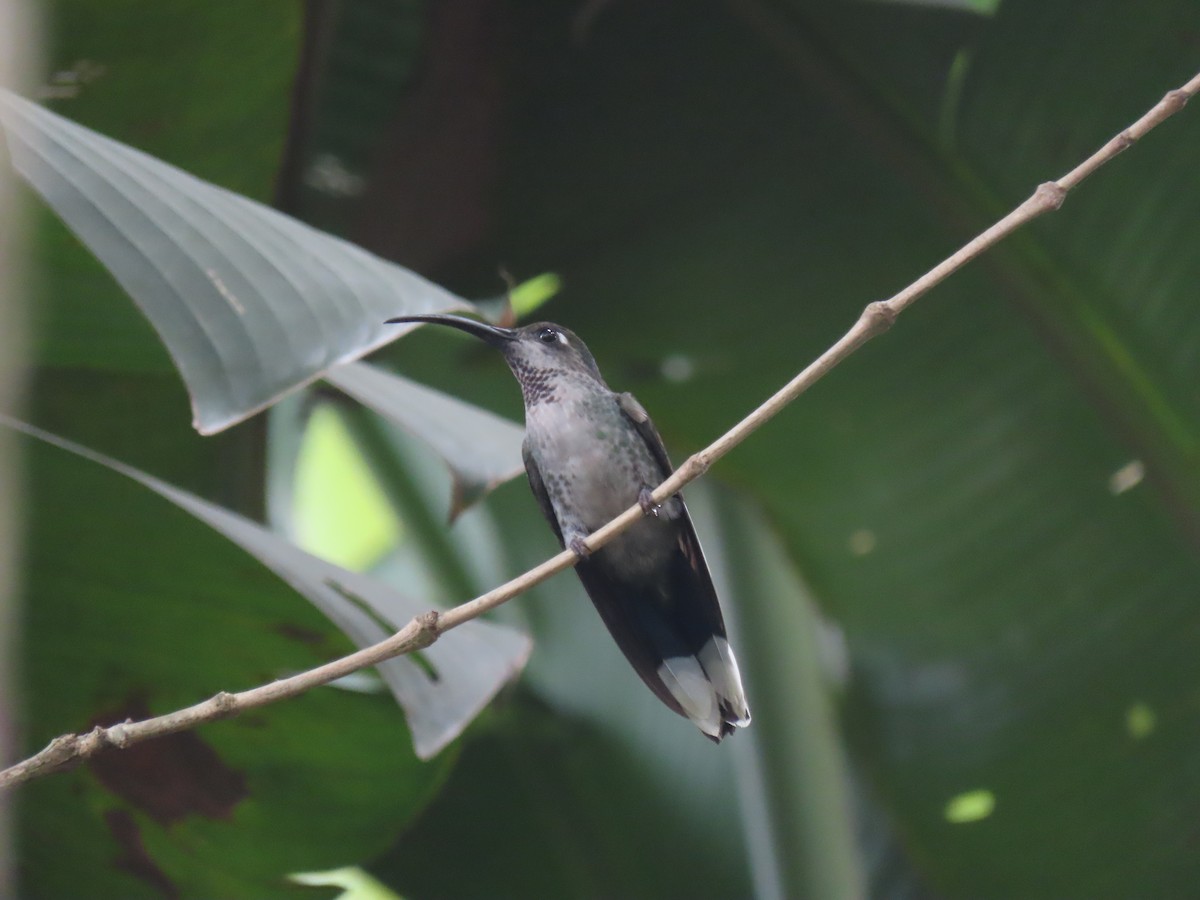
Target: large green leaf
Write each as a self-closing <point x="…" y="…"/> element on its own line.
<point x="465" y="669"/>
<point x="224" y="118"/>
<point x="250" y="303"/>
<point x="143" y="611"/>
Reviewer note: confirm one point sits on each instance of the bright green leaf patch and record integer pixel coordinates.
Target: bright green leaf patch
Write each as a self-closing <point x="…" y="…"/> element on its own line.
<point x="527" y="296"/>
<point x="480" y="449"/>
<point x="338" y="511"/>
<point x="972" y="806"/>
<point x="1140" y="720"/>
<point x="355" y="883"/>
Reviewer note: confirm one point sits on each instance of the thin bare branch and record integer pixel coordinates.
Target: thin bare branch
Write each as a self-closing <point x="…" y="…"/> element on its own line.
<point x="69" y="750"/>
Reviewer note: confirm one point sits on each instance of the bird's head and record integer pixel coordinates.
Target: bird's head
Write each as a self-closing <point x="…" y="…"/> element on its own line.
<point x="540" y="355"/>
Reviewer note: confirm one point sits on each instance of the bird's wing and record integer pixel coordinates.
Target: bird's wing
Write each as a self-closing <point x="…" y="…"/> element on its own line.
<point x="689" y="544"/>
<point x="637" y="415"/>
<point x="694" y="615"/>
<point x="539" y="491"/>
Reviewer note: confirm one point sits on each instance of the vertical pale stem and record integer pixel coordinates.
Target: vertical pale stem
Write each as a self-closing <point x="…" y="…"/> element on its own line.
<point x="794" y="781"/>
<point x="16" y="40"/>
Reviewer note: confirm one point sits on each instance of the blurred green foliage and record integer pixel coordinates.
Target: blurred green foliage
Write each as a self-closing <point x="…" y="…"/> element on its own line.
<point x="1009" y="629"/>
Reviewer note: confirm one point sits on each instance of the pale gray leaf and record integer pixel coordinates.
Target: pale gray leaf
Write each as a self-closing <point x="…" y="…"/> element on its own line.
<point x="481" y="449"/>
<point x="470" y="663"/>
<point x="249" y="302"/>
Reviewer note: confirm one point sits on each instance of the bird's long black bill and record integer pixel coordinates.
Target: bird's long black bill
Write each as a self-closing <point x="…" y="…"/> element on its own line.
<point x="491" y="334"/>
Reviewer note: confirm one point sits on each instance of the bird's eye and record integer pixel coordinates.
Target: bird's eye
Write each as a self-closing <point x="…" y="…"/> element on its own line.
<point x="548" y="336"/>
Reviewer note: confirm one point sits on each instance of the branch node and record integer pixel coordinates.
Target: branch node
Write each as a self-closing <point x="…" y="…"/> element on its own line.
<point x="94" y="741"/>
<point x="879" y="316"/>
<point x="62" y="748"/>
<point x="1176" y="100"/>
<point x="225" y="703"/>
<point x="428" y="628"/>
<point x="698" y="463"/>
<point x="1049" y="195"/>
<point x="116" y="735"/>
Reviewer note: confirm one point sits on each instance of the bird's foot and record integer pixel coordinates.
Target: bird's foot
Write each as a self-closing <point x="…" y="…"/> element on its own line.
<point x="646" y="501"/>
<point x="579" y="548"/>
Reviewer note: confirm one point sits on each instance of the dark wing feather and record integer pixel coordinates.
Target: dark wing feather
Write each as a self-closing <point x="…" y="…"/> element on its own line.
<point x="635" y="618"/>
<point x="701" y="594"/>
<point x="539" y="491"/>
<point x="637" y="415"/>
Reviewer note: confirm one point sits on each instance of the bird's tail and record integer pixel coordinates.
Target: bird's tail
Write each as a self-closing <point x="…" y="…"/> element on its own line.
<point x="708" y="688"/>
<point x="675" y="640"/>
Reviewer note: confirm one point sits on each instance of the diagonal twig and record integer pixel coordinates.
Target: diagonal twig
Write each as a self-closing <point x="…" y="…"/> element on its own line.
<point x="69" y="750"/>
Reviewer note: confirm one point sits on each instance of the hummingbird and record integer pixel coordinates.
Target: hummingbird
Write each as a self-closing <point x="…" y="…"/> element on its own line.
<point x="590" y="453"/>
